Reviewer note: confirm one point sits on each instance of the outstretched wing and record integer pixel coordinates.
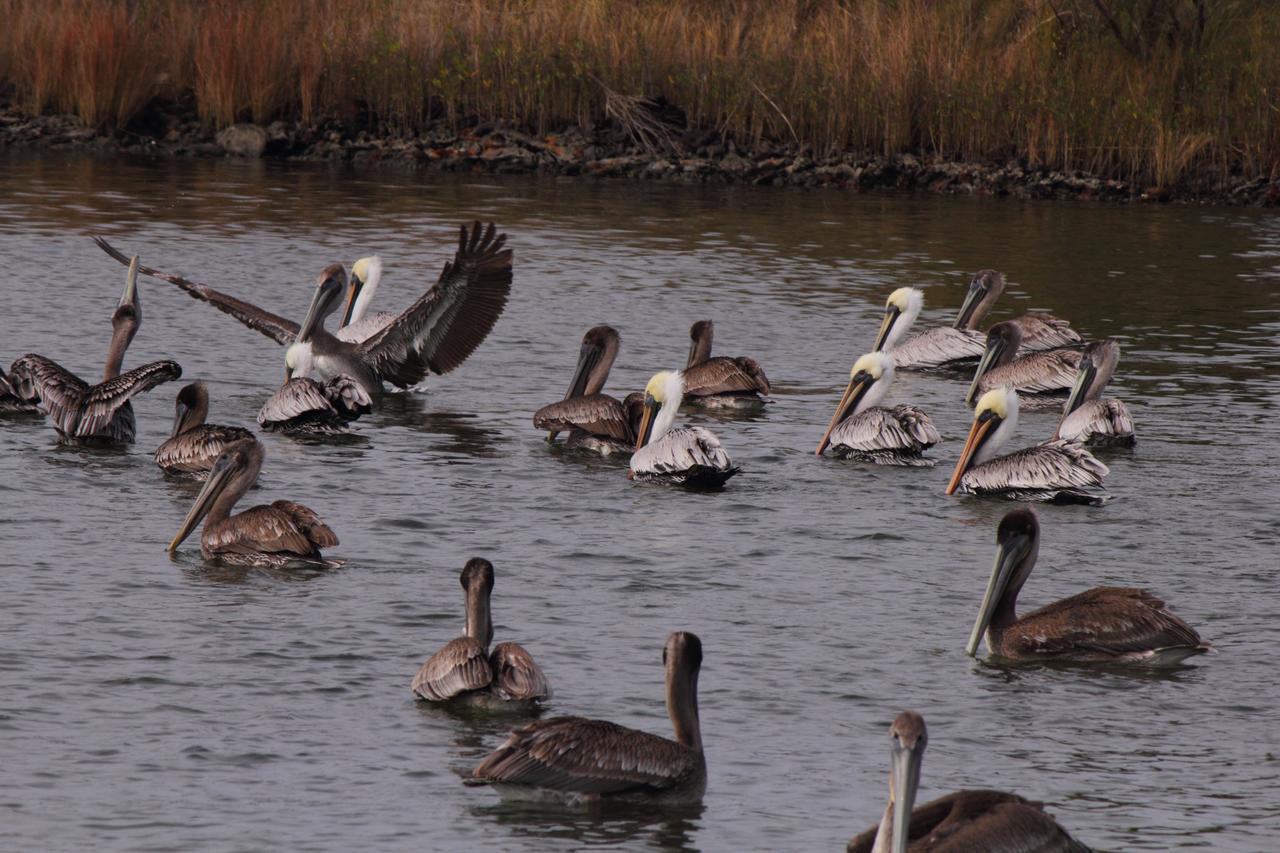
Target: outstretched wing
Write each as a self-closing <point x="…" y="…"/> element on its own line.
<point x="444" y="327"/>
<point x="277" y="328"/>
<point x="516" y="675"/>
<point x="722" y="375"/>
<point x="106" y="398"/>
<point x="458" y="667"/>
<point x="1111" y="620"/>
<point x="577" y="755"/>
<point x="60" y="392"/>
<point x="597" y="414"/>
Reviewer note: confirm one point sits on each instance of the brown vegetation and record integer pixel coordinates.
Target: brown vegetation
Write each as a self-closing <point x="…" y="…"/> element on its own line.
<point x="1142" y="90"/>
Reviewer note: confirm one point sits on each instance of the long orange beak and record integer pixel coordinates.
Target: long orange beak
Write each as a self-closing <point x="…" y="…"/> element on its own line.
<point x="850" y="391"/>
<point x="890" y="317"/>
<point x="977" y="433"/>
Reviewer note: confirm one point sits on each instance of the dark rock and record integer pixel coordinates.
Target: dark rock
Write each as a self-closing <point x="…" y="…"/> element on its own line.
<point x="243" y="140"/>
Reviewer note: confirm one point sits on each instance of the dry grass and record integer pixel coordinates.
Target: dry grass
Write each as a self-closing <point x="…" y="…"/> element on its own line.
<point x="1150" y="97"/>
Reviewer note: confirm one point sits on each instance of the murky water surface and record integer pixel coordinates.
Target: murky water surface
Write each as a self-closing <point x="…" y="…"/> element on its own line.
<point x="149" y="703"/>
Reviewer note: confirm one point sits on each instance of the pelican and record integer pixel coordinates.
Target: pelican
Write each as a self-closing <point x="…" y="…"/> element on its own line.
<point x="861" y="429"/>
<point x="962" y="821"/>
<point x="303" y="406"/>
<point x="1088" y="419"/>
<point x="721" y="382"/>
<point x="435" y="334"/>
<point x="575" y="758"/>
<point x="81" y="412"/>
<point x="357" y="325"/>
<point x="281" y="534"/>
<point x="1106" y="624"/>
<point x="940" y="346"/>
<point x="193" y="445"/>
<point x="465" y="672"/>
<point x="1056" y="471"/>
<point x="688" y="456"/>
<point x="1038" y="373"/>
<point x="595" y="421"/>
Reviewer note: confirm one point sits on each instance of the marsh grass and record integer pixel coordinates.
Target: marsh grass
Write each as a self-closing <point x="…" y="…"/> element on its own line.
<point x="1158" y="97"/>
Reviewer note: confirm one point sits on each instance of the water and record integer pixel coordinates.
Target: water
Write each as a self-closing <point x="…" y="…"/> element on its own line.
<point x="150" y="703"/>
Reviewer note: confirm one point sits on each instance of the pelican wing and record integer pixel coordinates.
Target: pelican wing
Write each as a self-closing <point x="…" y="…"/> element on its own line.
<point x="722" y="375"/>
<point x="258" y="530"/>
<point x="305" y="519"/>
<point x="1108" y="620"/>
<point x="366" y="327"/>
<point x="877" y="429"/>
<point x="1052" y="465"/>
<point x="295" y="398"/>
<point x="451" y="319"/>
<point x="577" y="755"/>
<point x="457" y="668"/>
<point x="679" y="451"/>
<point x="197" y="449"/>
<point x="1038" y="373"/>
<point x="597" y="414"/>
<point x="938" y="346"/>
<point x="1045" y="331"/>
<point x="347" y="397"/>
<point x="1097" y="420"/>
<point x="60" y="392"/>
<point x="106" y="398"/>
<point x="516" y="675"/>
<point x="277" y="328"/>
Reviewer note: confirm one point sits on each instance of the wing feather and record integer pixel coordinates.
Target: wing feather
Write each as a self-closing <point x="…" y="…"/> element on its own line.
<point x="60" y="392"/>
<point x="1037" y="373"/>
<point x="938" y="346"/>
<point x="723" y="375"/>
<point x="597" y="414"/>
<point x="439" y="331"/>
<point x="516" y="675"/>
<point x="308" y="523"/>
<point x="680" y="450"/>
<point x="196" y="450"/>
<point x="106" y="398"/>
<point x="878" y="430"/>
<point x="1045" y="331"/>
<point x="1052" y="465"/>
<point x="274" y="326"/>
<point x="258" y="530"/>
<point x="457" y="668"/>
<point x="1105" y="420"/>
<point x="1109" y="620"/>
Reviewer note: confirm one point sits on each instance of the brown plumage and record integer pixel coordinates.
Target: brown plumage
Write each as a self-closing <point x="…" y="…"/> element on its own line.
<point x="1104" y="624"/>
<point x="720" y="381"/>
<point x="1086" y="417"/>
<point x="964" y="821"/>
<point x="303" y="406"/>
<point x="193" y="446"/>
<point x="12" y="402"/>
<point x="278" y="534"/>
<point x="596" y="421"/>
<point x="463" y="671"/>
<point x="579" y="758"/>
<point x="1036" y="373"/>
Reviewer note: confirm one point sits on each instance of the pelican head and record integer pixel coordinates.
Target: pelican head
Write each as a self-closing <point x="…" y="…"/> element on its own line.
<point x="477" y="580"/>
<point x="1017" y="544"/>
<point x="1003" y="340"/>
<point x="662" y="397"/>
<point x="238" y="466"/>
<point x="1097" y="364"/>
<point x="869" y="382"/>
<point x="128" y="313"/>
<point x="595" y="360"/>
<point x="365" y="275"/>
<point x="985" y="287"/>
<point x="908" y="737"/>
<point x="994" y="419"/>
<point x="900" y="311"/>
<point x="191" y="408"/>
<point x="329" y="288"/>
<point x="701" y="335"/>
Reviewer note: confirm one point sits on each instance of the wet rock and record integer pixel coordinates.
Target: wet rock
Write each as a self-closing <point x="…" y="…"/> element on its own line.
<point x="242" y="140"/>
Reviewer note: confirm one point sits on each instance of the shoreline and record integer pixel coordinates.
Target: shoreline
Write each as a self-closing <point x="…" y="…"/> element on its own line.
<point x="694" y="157"/>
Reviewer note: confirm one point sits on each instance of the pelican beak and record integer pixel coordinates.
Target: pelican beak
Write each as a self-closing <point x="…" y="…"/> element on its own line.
<point x="1008" y="555"/>
<point x="651" y="407"/>
<point x="983" y="426"/>
<point x="325" y="300"/>
<point x="219" y="477"/>
<point x="853" y="392"/>
<point x="180" y="413"/>
<point x="588" y="356"/>
<point x="906" y="780"/>
<point x="990" y="356"/>
<point x="130" y="296"/>
<point x="890" y="317"/>
<point x="353" y="292"/>
<point x="1085" y="375"/>
<point x="971" y="299"/>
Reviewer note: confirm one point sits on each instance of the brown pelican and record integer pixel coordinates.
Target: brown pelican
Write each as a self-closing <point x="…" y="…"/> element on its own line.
<point x="281" y="534"/>
<point x="303" y="406"/>
<point x="1102" y="625"/>
<point x="960" y="822"/>
<point x="358" y="324"/>
<point x="861" y="429"/>
<point x="688" y="456"/>
<point x="1056" y="471"/>
<point x="575" y="758"/>
<point x="1038" y="373"/>
<point x="82" y="412"/>
<point x="465" y="672"/>
<point x="1088" y="419"/>
<point x="596" y="421"/>
<point x="193" y="445"/>
<point x="721" y="382"/>
<point x="436" y="334"/>
<point x="941" y="346"/>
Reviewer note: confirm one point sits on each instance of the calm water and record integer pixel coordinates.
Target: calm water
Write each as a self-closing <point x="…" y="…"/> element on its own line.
<point x="149" y="703"/>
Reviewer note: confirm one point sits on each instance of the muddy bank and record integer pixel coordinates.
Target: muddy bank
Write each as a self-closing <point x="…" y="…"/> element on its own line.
<point x="605" y="151"/>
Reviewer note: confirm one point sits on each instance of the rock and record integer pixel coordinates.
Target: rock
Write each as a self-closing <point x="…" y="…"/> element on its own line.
<point x="243" y="140"/>
<point x="735" y="164"/>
